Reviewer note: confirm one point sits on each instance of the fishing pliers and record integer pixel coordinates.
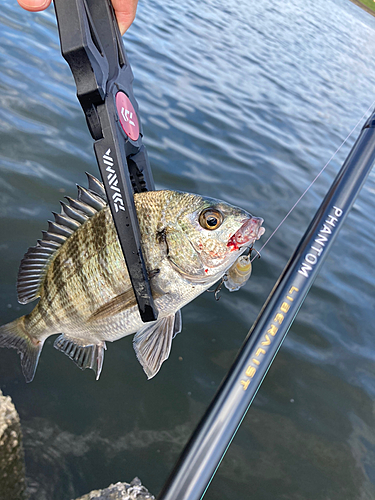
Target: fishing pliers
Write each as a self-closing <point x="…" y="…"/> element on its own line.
<point x="92" y="45"/>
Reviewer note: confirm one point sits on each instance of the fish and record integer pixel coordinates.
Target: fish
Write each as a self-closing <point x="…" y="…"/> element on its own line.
<point x="239" y="273"/>
<point x="78" y="273"/>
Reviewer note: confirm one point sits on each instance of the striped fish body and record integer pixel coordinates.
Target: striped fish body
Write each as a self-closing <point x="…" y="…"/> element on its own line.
<point x="85" y="273"/>
<point x="79" y="274"/>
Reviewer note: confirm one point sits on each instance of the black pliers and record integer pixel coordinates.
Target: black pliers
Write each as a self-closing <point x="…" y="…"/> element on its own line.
<point x="92" y="45"/>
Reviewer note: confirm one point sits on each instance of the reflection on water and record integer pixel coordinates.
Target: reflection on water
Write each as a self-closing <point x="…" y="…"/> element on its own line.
<point x="59" y="455"/>
<point x="243" y="102"/>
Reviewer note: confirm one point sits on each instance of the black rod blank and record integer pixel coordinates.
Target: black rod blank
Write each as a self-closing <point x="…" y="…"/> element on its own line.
<point x="203" y="453"/>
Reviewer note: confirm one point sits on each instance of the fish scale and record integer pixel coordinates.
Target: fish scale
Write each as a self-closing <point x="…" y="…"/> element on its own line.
<point x="79" y="274"/>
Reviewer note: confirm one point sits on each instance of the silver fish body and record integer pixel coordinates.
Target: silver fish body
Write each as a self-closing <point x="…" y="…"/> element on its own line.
<point x="78" y="272"/>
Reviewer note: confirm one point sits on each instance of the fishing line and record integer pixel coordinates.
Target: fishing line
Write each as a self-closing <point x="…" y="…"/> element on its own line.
<point x="315" y="179"/>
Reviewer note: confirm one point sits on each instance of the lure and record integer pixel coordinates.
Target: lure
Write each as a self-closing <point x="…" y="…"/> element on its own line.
<point x="238" y="275"/>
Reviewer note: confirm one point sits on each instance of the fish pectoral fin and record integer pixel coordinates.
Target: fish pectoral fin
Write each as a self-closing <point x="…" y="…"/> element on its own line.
<point x="116" y="305"/>
<point x="83" y="355"/>
<point x="152" y="344"/>
<point x="120" y="303"/>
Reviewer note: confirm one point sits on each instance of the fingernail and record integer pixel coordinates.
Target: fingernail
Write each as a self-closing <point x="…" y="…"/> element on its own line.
<point x="34" y="4"/>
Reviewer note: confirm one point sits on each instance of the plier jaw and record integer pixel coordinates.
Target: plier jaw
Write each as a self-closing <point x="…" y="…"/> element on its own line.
<point x="92" y="45"/>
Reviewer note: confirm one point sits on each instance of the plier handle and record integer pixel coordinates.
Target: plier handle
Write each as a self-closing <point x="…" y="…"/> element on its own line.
<point x="92" y="45"/>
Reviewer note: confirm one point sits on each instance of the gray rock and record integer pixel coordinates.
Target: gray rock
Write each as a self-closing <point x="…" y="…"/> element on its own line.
<point x="12" y="468"/>
<point x="120" y="491"/>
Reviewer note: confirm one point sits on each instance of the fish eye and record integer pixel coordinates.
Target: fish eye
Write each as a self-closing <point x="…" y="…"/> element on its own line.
<point x="211" y="219"/>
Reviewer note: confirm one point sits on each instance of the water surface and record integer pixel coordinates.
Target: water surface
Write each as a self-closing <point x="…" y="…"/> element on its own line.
<point x="242" y="101"/>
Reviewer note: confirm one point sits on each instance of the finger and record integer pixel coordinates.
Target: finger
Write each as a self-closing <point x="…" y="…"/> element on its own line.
<point x="34" y="5"/>
<point x="125" y="13"/>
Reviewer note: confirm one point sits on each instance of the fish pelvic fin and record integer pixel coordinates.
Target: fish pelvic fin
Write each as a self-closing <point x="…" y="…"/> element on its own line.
<point x="83" y="355"/>
<point x="177" y="327"/>
<point x="152" y="344"/>
<point x="14" y="335"/>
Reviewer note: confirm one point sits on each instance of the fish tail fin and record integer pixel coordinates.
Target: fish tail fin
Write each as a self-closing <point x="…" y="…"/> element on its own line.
<point x="15" y="336"/>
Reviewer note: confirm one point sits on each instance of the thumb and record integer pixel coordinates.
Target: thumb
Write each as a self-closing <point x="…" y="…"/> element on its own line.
<point x="34" y="5"/>
<point x="125" y="11"/>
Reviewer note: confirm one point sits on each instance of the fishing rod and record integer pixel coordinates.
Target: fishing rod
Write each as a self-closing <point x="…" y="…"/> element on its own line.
<point x="207" y="446"/>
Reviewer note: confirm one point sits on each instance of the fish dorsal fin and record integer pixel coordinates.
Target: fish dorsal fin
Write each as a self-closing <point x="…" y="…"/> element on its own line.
<point x="152" y="344"/>
<point x="73" y="214"/>
<point x="83" y="355"/>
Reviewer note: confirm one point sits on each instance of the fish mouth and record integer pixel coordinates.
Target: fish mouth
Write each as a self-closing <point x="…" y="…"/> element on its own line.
<point x="249" y="232"/>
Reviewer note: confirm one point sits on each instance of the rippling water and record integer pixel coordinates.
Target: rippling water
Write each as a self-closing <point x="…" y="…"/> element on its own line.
<point x="243" y="101"/>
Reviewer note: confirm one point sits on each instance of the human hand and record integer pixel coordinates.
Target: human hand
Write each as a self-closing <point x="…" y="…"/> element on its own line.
<point x="124" y="9"/>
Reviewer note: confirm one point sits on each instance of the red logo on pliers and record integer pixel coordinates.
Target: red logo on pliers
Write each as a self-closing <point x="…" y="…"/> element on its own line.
<point x="127" y="116"/>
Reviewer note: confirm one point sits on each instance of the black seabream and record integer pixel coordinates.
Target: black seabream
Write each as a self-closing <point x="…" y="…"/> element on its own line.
<point x="78" y="272"/>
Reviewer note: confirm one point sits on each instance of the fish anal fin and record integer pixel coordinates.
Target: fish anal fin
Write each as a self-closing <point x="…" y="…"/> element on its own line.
<point x="116" y="305"/>
<point x="152" y="344"/>
<point x="83" y="355"/>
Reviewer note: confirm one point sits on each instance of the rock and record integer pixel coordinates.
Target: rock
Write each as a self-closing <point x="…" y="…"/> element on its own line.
<point x="121" y="491"/>
<point x="12" y="468"/>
